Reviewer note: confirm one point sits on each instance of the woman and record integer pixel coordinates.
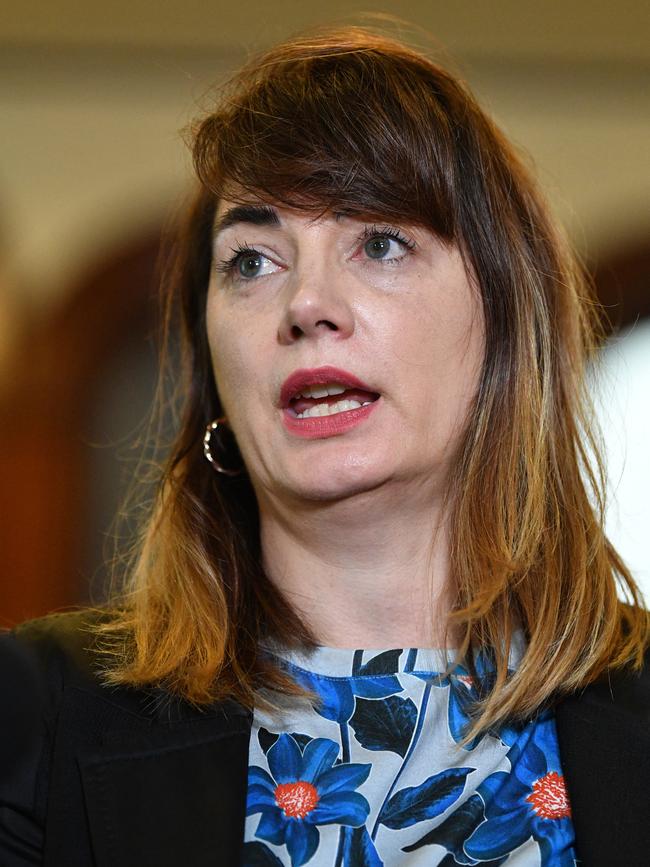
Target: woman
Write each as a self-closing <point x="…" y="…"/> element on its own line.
<point x="386" y="630"/>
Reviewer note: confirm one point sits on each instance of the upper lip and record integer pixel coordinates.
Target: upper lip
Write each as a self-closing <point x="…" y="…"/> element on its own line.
<point x="318" y="376"/>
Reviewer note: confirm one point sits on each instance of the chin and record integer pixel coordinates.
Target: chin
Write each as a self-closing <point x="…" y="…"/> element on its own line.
<point x="336" y="484"/>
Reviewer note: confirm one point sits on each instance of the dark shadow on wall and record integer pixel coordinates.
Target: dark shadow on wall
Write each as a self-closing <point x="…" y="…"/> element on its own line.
<point x="81" y="387"/>
<point x="623" y="283"/>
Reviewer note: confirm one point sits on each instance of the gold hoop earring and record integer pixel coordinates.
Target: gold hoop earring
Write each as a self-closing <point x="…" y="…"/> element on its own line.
<point x="209" y="431"/>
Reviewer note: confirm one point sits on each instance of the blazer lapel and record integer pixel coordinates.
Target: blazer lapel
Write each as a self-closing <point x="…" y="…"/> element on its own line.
<point x="170" y="798"/>
<point x="604" y="741"/>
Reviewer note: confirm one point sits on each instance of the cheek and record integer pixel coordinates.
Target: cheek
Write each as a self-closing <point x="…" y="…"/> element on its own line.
<point x="443" y="336"/>
<point x="228" y="366"/>
<point x="460" y="371"/>
<point x="237" y="362"/>
<point x="226" y="356"/>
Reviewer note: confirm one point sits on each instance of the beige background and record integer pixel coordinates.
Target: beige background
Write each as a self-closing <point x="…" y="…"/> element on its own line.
<point x="93" y="97"/>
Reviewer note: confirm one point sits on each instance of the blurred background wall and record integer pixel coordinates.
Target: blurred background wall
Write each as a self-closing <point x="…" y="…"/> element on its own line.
<point x="92" y="101"/>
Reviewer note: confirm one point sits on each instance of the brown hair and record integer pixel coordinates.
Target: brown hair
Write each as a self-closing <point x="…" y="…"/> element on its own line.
<point x="360" y="123"/>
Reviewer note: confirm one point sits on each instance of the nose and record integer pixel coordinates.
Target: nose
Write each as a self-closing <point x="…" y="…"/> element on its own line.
<point x="316" y="306"/>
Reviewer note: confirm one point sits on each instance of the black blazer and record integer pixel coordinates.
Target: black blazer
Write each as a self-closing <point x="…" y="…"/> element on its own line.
<point x="119" y="777"/>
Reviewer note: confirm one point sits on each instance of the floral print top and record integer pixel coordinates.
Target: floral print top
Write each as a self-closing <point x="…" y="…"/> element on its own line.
<point x="374" y="774"/>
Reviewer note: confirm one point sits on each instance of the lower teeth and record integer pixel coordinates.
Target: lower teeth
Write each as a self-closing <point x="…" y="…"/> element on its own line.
<point x="323" y="409"/>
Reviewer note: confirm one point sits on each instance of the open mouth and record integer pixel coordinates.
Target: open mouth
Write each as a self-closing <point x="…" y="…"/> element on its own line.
<point x="328" y="399"/>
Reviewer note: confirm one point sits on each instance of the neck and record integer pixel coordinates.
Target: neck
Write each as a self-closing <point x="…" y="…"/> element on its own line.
<point x="360" y="572"/>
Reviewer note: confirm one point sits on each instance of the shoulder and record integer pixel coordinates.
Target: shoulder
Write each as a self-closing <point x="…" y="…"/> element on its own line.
<point x="627" y="690"/>
<point x="622" y="692"/>
<point x="61" y="640"/>
<point x="66" y="650"/>
<point x="63" y="652"/>
<point x="604" y="741"/>
<point x="609" y="718"/>
<point x="39" y="660"/>
<point x="69" y="738"/>
<point x="62" y="645"/>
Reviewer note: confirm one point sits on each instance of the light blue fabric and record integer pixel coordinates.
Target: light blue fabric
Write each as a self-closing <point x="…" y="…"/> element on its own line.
<point x="372" y="774"/>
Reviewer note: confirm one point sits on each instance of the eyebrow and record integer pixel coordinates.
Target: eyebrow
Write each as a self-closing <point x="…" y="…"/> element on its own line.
<point x="256" y="215"/>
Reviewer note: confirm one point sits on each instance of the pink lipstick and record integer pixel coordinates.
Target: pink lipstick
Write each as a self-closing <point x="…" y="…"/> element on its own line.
<point x="314" y="427"/>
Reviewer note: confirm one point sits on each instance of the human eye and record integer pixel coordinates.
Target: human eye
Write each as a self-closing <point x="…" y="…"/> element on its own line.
<point x="385" y="244"/>
<point x="246" y="263"/>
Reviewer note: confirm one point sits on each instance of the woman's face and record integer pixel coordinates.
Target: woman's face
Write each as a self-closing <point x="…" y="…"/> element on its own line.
<point x="389" y="306"/>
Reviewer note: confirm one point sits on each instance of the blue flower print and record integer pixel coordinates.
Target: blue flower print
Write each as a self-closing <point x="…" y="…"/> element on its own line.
<point x="531" y="800"/>
<point x="305" y="789"/>
<point x="463" y="693"/>
<point x="337" y="693"/>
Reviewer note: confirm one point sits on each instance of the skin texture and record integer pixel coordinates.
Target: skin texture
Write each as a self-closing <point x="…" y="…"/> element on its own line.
<point x="352" y="527"/>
